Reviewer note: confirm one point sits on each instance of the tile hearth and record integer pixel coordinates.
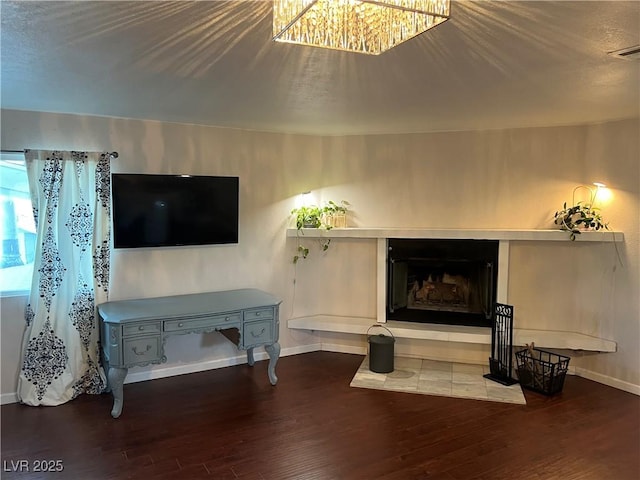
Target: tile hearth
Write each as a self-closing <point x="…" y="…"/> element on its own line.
<point x="430" y="377"/>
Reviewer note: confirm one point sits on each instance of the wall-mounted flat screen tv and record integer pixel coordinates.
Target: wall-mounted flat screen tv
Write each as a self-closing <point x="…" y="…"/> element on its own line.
<point x="173" y="210"/>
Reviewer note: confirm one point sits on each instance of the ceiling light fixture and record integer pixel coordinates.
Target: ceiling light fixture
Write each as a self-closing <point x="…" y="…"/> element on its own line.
<point x="365" y="26"/>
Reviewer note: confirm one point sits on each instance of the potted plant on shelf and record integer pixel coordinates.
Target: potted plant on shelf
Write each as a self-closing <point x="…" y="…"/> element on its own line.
<point x="335" y="215"/>
<point x="580" y="216"/>
<point x="308" y="217"/>
<point x="317" y="217"/>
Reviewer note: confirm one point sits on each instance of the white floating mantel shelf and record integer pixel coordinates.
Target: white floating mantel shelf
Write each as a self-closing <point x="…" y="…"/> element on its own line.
<point x="449" y="233"/>
<point x="352" y="325"/>
<point x="454" y="333"/>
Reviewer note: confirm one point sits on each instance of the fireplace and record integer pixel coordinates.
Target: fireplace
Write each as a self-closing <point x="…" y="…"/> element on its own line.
<point x="442" y="281"/>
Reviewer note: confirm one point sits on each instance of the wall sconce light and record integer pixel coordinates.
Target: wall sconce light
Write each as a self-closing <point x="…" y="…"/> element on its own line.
<point x="305" y="199"/>
<point x="603" y="193"/>
<point x="600" y="191"/>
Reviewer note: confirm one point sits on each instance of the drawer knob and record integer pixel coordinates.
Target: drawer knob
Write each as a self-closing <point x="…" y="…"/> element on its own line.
<point x="226" y="319"/>
<point x="181" y="324"/>
<point x="257" y="314"/>
<point x="140" y="328"/>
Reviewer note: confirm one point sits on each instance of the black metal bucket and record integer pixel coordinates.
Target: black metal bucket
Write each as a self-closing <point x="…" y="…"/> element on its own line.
<point x="380" y="351"/>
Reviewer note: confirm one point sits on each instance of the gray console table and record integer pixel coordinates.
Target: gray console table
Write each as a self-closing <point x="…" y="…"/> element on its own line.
<point x="133" y="332"/>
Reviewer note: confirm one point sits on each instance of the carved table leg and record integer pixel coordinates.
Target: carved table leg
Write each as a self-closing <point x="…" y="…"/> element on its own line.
<point x="274" y="354"/>
<point x="250" y="360"/>
<point x="116" y="381"/>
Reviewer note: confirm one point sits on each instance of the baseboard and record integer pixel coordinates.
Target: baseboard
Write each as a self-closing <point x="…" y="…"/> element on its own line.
<point x="134" y="377"/>
<point x="334" y="347"/>
<point x="7" y="398"/>
<point x="607" y="380"/>
<point x="173" y="370"/>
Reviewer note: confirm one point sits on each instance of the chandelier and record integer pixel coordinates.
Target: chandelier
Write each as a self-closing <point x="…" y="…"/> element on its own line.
<point x="364" y="26"/>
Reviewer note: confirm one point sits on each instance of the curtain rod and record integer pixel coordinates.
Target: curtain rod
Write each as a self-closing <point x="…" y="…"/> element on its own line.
<point x="113" y="154"/>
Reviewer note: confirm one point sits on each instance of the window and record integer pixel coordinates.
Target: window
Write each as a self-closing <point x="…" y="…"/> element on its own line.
<point x="17" y="227"/>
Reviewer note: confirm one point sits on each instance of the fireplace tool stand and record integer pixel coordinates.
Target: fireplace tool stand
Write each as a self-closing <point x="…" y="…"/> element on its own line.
<point x="501" y="360"/>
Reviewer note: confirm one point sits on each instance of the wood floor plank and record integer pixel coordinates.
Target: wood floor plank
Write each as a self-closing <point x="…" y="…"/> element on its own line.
<point x="231" y="423"/>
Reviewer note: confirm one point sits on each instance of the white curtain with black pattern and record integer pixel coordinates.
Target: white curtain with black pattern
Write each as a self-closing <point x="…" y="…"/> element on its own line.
<point x="70" y="192"/>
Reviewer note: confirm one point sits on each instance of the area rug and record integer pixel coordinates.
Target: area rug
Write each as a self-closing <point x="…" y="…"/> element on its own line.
<point x="429" y="377"/>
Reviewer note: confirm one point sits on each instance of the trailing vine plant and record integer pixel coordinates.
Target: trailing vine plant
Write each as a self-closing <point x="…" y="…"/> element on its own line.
<point x="579" y="217"/>
<point x="316" y="217"/>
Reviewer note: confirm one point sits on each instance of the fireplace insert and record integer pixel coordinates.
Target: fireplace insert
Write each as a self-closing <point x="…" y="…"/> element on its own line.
<point x="442" y="281"/>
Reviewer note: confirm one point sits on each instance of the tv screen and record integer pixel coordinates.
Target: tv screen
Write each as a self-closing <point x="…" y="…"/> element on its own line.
<point x="173" y="210"/>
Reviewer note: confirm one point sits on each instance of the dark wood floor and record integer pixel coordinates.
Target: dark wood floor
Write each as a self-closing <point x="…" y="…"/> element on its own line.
<point x="232" y="424"/>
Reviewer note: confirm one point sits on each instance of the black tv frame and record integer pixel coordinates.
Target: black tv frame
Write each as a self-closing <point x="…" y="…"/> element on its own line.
<point x="161" y="210"/>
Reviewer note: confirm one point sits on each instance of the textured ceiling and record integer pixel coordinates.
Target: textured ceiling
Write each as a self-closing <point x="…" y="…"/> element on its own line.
<point x="492" y="65"/>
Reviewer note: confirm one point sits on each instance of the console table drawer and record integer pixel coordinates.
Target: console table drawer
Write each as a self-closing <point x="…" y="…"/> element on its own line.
<point x="141" y="329"/>
<point x="141" y="350"/>
<point x="257" y="333"/>
<point x="199" y="323"/>
<point x="250" y="315"/>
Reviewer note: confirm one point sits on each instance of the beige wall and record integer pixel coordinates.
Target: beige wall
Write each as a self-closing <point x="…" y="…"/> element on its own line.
<point x="493" y="179"/>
